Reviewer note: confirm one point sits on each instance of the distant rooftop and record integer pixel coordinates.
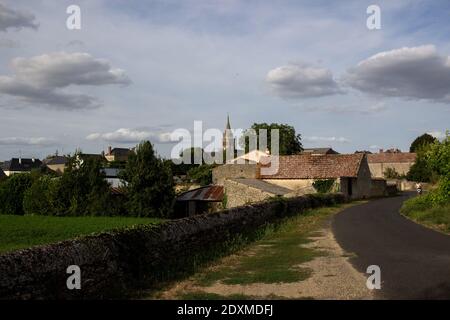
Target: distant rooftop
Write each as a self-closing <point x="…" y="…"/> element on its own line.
<point x="320" y="151"/>
<point x="21" y="164"/>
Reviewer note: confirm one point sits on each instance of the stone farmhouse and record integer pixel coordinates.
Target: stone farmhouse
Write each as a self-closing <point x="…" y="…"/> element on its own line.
<point x="244" y="183"/>
<point x="400" y="161"/>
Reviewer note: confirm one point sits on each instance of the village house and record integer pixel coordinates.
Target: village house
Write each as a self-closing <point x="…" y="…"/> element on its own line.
<point x="401" y="162"/>
<point x="57" y="163"/>
<point x="20" y="165"/>
<point x="118" y="154"/>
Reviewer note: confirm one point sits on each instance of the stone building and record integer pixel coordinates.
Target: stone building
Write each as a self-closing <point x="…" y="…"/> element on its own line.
<point x="296" y="174"/>
<point x="400" y="161"/>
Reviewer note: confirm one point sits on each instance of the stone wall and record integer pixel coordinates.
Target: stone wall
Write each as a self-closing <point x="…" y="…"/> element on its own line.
<point x="114" y="263"/>
<point x="233" y="171"/>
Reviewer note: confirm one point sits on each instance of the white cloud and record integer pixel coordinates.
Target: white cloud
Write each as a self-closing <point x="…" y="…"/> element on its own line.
<point x="22" y="141"/>
<point x="125" y="135"/>
<point x="301" y="81"/>
<point x="412" y="73"/>
<point x="14" y="19"/>
<point x="325" y="139"/>
<point x="437" y="134"/>
<point x="38" y="80"/>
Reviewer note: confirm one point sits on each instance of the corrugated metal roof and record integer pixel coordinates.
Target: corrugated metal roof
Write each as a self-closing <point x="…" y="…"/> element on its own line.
<point x="208" y="193"/>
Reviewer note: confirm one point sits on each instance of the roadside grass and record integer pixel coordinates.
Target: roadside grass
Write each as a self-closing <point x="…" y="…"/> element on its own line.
<point x="421" y="211"/>
<point x="275" y="258"/>
<point x="19" y="232"/>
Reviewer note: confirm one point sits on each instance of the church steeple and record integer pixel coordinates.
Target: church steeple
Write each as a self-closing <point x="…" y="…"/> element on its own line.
<point x="228" y="139"/>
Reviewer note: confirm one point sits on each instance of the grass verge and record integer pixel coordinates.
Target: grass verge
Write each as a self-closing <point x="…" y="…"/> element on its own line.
<point x="420" y="210"/>
<point x="19" y="232"/>
<point x="275" y="257"/>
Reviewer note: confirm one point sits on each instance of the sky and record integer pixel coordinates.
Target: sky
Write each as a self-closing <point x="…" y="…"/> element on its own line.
<point x="138" y="70"/>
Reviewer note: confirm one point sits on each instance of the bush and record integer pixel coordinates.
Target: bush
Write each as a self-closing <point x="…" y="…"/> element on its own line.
<point x="150" y="183"/>
<point x="12" y="192"/>
<point x="40" y="197"/>
<point x="391" y="173"/>
<point x="324" y="185"/>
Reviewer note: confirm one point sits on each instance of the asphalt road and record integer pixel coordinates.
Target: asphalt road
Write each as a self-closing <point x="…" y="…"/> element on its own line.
<point x="414" y="260"/>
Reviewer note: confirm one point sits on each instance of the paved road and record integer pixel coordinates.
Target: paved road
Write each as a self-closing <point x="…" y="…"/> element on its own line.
<point x="414" y="260"/>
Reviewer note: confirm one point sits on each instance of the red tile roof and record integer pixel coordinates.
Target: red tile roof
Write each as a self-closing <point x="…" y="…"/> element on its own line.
<point x="387" y="157"/>
<point x="306" y="166"/>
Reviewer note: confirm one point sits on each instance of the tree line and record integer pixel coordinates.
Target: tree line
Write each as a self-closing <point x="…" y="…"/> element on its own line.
<point x="83" y="189"/>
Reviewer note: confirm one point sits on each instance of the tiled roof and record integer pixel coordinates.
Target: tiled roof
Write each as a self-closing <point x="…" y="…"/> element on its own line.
<point x="264" y="186"/>
<point x="208" y="193"/>
<point x="306" y="166"/>
<point x="388" y="157"/>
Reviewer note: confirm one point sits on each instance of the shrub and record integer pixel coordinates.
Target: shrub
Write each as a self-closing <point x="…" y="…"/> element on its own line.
<point x="323" y="185"/>
<point x="12" y="192"/>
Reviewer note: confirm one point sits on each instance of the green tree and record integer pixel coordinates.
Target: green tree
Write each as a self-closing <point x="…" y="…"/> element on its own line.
<point x="201" y="174"/>
<point x="438" y="158"/>
<point x="420" y="170"/>
<point x="83" y="189"/>
<point x="150" y="183"/>
<point x="12" y="192"/>
<point x="422" y="142"/>
<point x="40" y="197"/>
<point x="290" y="141"/>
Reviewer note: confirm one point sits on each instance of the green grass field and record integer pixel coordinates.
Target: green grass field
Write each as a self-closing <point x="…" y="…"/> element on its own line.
<point x="18" y="232"/>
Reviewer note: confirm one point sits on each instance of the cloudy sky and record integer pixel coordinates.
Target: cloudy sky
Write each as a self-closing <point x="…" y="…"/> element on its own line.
<point x="140" y="69"/>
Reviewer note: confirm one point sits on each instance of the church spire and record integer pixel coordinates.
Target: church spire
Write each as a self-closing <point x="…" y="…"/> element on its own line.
<point x="228" y="139"/>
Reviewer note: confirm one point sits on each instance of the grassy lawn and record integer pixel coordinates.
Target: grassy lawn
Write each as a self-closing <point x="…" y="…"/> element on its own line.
<point x="275" y="258"/>
<point x="420" y="210"/>
<point x="18" y="232"/>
